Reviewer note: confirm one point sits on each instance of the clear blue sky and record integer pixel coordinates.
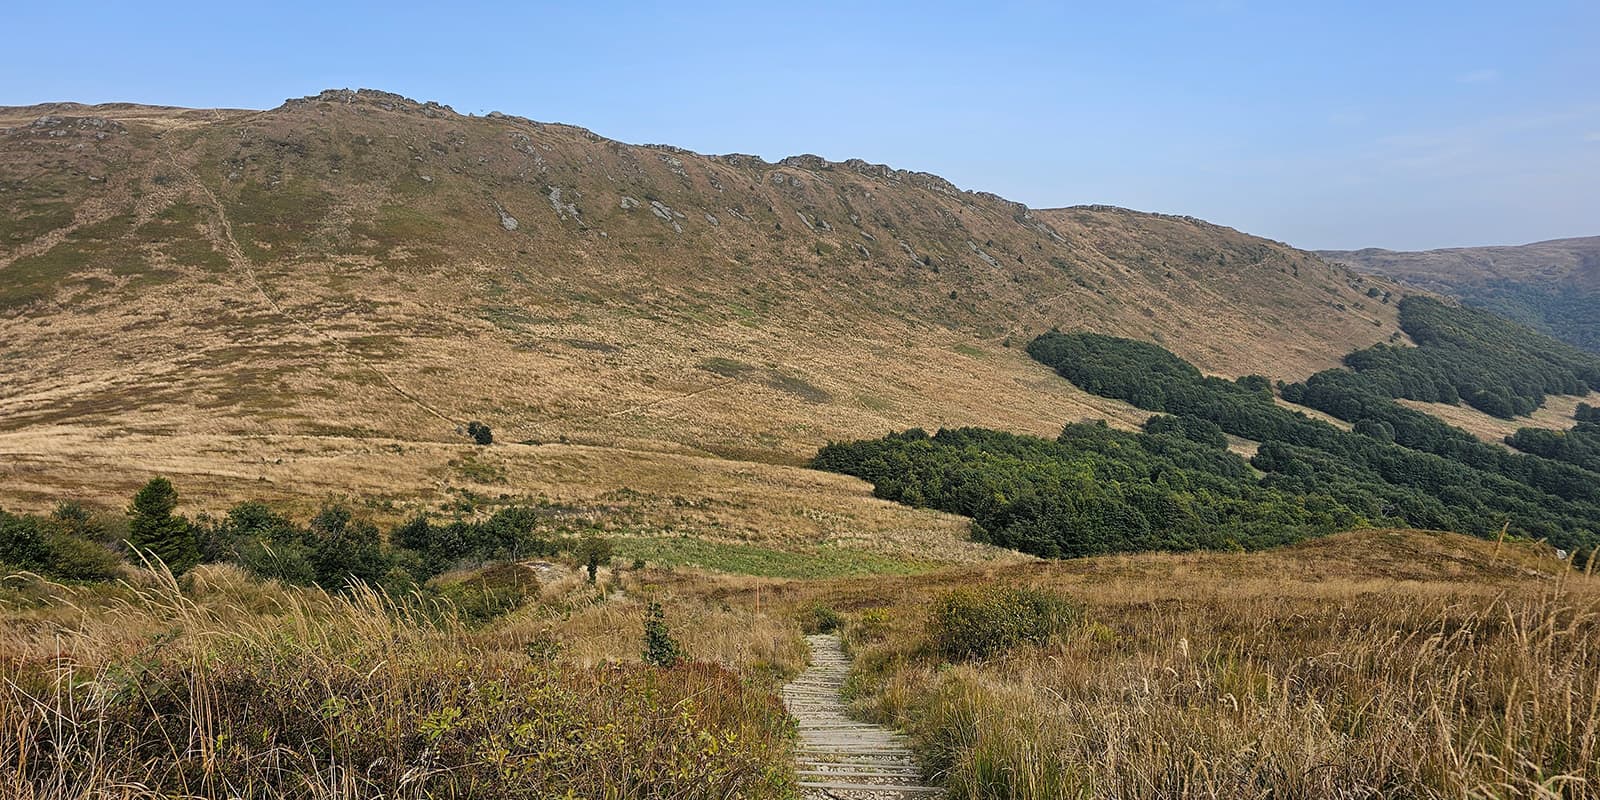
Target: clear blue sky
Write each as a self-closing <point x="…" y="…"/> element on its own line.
<point x="1329" y="124"/>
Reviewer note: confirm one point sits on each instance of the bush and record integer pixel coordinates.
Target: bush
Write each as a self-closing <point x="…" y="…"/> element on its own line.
<point x="288" y="561"/>
<point x="660" y="649"/>
<point x="491" y="592"/>
<point x="819" y="618"/>
<point x="53" y="547"/>
<point x="594" y="550"/>
<point x="22" y="542"/>
<point x="347" y="550"/>
<point x="873" y="625"/>
<point x="480" y="433"/>
<point x="75" y="559"/>
<point x="977" y="623"/>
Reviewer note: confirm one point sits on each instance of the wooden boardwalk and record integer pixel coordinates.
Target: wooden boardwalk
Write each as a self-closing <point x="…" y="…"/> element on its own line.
<point x="841" y="758"/>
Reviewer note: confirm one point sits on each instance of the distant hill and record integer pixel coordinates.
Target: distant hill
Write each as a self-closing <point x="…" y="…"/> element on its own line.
<point x="1553" y="286"/>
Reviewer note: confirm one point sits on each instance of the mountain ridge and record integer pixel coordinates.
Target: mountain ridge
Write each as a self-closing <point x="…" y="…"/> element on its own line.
<point x="358" y="265"/>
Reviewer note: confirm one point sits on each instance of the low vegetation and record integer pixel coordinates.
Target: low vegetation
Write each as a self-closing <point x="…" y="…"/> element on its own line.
<point x="221" y="685"/>
<point x="1298" y="673"/>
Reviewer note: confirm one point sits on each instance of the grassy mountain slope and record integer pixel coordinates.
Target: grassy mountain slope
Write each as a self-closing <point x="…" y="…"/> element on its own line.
<point x="256" y="299"/>
<point x="1553" y="286"/>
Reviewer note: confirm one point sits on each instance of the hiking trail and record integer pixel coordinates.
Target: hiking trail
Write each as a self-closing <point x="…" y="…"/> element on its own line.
<point x="841" y="758"/>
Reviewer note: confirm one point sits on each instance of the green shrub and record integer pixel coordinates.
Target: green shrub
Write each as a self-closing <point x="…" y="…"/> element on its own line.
<point x="22" y="542"/>
<point x="75" y="559"/>
<point x="818" y="618"/>
<point x="50" y="547"/>
<point x="287" y="561"/>
<point x="660" y="649"/>
<point x="872" y="625"/>
<point x="492" y="592"/>
<point x="976" y="623"/>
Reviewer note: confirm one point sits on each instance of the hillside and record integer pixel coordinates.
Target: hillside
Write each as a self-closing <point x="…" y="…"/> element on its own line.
<point x="1553" y="286"/>
<point x="314" y="298"/>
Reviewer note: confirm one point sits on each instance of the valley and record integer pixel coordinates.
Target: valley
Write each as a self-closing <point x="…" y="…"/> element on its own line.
<point x="359" y="447"/>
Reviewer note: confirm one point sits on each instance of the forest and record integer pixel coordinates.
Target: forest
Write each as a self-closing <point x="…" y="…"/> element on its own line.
<point x="1174" y="486"/>
<point x="1472" y="356"/>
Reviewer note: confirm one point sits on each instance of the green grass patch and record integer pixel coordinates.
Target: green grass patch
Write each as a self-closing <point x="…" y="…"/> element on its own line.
<point x="875" y="403"/>
<point x="37" y="278"/>
<point x="275" y="216"/>
<point x="797" y="386"/>
<point x="26" y="222"/>
<point x="749" y="559"/>
<point x="177" y="232"/>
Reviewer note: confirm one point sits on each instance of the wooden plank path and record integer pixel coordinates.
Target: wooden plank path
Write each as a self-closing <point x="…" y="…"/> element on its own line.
<point x="841" y="758"/>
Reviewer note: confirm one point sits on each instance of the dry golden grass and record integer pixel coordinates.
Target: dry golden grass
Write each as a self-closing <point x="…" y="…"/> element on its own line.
<point x="1374" y="664"/>
<point x="220" y="686"/>
<point x="1368" y="664"/>
<point x="1556" y="414"/>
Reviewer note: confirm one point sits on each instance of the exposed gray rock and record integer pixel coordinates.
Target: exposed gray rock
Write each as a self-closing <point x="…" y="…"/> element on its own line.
<point x="562" y="208"/>
<point x="985" y="256"/>
<point x="673" y="163"/>
<point x="628" y="203"/>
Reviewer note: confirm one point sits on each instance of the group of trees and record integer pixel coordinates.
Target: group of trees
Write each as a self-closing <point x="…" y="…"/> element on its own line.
<point x="1093" y="490"/>
<point x="1175" y="486"/>
<point x="1579" y="446"/>
<point x="334" y="549"/>
<point x="1586" y="413"/>
<point x="1571" y="315"/>
<point x="1473" y="356"/>
<point x="1397" y="463"/>
<point x="69" y="544"/>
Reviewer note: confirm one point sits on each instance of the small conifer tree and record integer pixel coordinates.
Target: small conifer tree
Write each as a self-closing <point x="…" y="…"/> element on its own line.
<point x="659" y="648"/>
<point x="154" y="529"/>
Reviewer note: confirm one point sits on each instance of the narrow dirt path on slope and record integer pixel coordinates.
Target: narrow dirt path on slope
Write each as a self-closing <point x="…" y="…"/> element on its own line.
<point x="236" y="255"/>
<point x="841" y="758"/>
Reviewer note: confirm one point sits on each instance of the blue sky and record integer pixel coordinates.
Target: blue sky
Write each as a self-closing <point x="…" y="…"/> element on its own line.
<point x="1328" y="125"/>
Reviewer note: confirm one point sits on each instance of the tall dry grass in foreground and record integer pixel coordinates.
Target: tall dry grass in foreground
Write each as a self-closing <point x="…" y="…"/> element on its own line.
<point x="230" y="688"/>
<point x="1406" y="691"/>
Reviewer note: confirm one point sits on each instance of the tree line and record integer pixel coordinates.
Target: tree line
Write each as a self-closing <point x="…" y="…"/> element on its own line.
<point x="335" y="549"/>
<point x="1092" y="490"/>
<point x="1175" y="487"/>
<point x="1396" y="462"/>
<point x="1472" y="356"/>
